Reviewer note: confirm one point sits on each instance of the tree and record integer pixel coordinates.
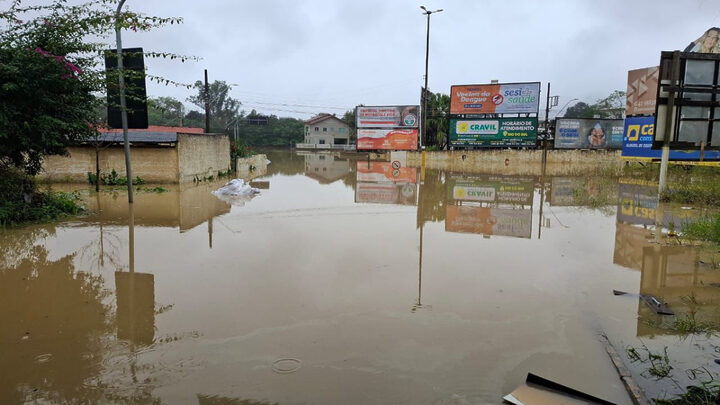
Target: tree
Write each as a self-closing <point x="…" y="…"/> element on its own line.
<point x="50" y="72"/>
<point x="580" y="110"/>
<point x="166" y="111"/>
<point x="612" y="106"/>
<point x="349" y="118"/>
<point x="438" y="108"/>
<point x="223" y="108"/>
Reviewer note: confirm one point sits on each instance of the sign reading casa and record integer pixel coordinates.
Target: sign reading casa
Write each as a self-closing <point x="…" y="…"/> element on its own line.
<point x="510" y="98"/>
<point x="498" y="132"/>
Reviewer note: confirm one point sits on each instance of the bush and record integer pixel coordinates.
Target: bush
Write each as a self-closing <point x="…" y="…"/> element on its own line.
<point x="21" y="201"/>
<point x="113" y="179"/>
<point x="704" y="229"/>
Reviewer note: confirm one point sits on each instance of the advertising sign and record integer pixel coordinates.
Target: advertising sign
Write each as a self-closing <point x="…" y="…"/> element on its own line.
<point x="386" y="193"/>
<point x="642" y="91"/>
<point x="500" y="189"/>
<point x="495" y="132"/>
<point x="401" y="116"/>
<point x="510" y="98"/>
<point x="488" y="221"/>
<point x="638" y="140"/>
<point x="588" y="133"/>
<point x="385" y="172"/>
<point x="387" y="139"/>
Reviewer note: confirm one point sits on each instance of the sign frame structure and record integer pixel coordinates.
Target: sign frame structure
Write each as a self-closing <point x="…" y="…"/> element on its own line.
<point x="395" y="135"/>
<point x="608" y="137"/>
<point x="496" y="99"/>
<point x="689" y="96"/>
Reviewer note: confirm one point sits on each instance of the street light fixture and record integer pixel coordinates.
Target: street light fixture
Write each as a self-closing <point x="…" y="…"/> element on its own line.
<point x="566" y="104"/>
<point x="427" y="54"/>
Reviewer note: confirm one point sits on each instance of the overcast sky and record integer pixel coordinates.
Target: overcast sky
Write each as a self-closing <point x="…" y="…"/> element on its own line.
<point x="340" y="53"/>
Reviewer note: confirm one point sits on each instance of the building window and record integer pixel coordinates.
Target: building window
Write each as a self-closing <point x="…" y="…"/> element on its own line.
<point x="324" y="129"/>
<point x="332" y="129"/>
<point x="341" y="130"/>
<point x="317" y="129"/>
<point x="322" y="142"/>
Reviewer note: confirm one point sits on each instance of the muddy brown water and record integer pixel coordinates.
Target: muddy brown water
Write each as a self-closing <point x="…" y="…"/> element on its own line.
<point x="347" y="282"/>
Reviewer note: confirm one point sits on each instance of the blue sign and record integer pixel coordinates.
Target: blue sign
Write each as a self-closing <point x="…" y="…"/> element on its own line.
<point x="638" y="139"/>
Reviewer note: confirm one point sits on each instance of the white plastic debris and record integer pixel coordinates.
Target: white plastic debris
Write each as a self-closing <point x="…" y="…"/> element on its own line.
<point x="236" y="187"/>
<point x="267" y="161"/>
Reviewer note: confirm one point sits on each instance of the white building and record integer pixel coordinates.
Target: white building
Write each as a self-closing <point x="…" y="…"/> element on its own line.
<point x="326" y="131"/>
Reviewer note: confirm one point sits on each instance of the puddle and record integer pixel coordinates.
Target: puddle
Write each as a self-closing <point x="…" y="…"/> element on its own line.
<point x="392" y="284"/>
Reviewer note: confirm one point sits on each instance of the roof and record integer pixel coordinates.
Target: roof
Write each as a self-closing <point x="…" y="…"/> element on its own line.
<point x="151" y="134"/>
<point x="322" y="117"/>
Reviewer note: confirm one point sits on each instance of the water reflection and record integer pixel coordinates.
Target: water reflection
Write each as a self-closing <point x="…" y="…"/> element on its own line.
<point x="385" y="183"/>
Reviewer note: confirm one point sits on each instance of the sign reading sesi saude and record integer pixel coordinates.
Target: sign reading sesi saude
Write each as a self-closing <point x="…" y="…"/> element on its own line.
<point x="495" y="98"/>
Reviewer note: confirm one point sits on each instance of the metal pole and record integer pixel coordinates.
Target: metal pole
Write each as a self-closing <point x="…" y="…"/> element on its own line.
<point x="669" y="122"/>
<point x="425" y="89"/>
<point x="123" y="111"/>
<point x="547" y="129"/>
<point x="207" y="104"/>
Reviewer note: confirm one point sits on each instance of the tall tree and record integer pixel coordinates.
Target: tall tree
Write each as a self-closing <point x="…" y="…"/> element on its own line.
<point x="437" y="120"/>
<point x="166" y="111"/>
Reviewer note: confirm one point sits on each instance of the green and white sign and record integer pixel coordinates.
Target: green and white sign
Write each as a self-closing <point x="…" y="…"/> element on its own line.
<point x="494" y="132"/>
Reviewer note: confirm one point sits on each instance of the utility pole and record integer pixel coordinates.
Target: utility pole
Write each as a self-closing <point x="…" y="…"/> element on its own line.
<point x="424" y="139"/>
<point x="547" y="128"/>
<point x="207" y="104"/>
<point x="669" y="121"/>
<point x="123" y="110"/>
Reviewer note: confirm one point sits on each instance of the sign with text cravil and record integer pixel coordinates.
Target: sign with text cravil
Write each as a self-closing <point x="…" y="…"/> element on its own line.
<point x="588" y="133"/>
<point x="387" y="139"/>
<point x="496" y="132"/>
<point x="401" y="116"/>
<point x="507" y="98"/>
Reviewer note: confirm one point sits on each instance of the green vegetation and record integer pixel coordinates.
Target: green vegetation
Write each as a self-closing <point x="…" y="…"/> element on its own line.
<point x="612" y="106"/>
<point x="705" y="229"/>
<point x="112" y="179"/>
<point x="707" y="393"/>
<point x="21" y="201"/>
<point x="696" y="185"/>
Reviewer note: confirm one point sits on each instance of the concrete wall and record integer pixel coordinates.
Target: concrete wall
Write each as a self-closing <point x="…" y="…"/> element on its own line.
<point x="521" y="162"/>
<point x="258" y="162"/>
<point x="202" y="156"/>
<point x="153" y="164"/>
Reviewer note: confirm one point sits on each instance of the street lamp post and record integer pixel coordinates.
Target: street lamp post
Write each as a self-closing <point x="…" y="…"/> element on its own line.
<point x="427" y="55"/>
<point x="123" y="110"/>
<point x="566" y="104"/>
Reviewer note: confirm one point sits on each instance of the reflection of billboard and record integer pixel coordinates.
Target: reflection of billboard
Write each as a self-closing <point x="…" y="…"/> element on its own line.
<point x="386" y="193"/>
<point x="503" y="98"/>
<point x="642" y="91"/>
<point x="496" y="132"/>
<point x="500" y="189"/>
<point x="402" y="116"/>
<point x="638" y="140"/>
<point x="584" y="133"/>
<point x="488" y="221"/>
<point x="383" y="172"/>
<point x="562" y="191"/>
<point x="638" y="204"/>
<point x="388" y="139"/>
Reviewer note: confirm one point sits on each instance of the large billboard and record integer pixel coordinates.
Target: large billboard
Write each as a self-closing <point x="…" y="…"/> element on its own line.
<point x="488" y="221"/>
<point x="385" y="183"/>
<point x="584" y="133"/>
<point x="505" y="98"/>
<point x="401" y="116"/>
<point x="495" y="132"/>
<point x="642" y="91"/>
<point x="495" y="189"/>
<point x="638" y="140"/>
<point x="387" y="139"/>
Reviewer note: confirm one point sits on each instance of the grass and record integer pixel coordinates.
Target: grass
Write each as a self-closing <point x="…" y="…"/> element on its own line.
<point x="703" y="394"/>
<point x="112" y="179"/>
<point x="692" y="185"/>
<point x="706" y="229"/>
<point x="21" y="201"/>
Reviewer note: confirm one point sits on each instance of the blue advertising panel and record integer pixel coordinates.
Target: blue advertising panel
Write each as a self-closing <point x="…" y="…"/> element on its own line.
<point x="638" y="139"/>
<point x="584" y="133"/>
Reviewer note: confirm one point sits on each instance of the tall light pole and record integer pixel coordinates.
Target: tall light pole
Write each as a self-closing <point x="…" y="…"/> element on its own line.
<point x="123" y="110"/>
<point x="427" y="55"/>
<point x="566" y="104"/>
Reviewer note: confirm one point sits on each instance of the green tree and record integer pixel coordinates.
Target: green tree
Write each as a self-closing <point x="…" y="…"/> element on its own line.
<point x="580" y="110"/>
<point x="438" y="108"/>
<point x="612" y="106"/>
<point x="223" y="108"/>
<point x="280" y="131"/>
<point x="166" y="111"/>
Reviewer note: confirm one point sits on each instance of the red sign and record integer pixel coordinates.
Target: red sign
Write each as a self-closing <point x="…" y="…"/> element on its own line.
<point x="387" y="139"/>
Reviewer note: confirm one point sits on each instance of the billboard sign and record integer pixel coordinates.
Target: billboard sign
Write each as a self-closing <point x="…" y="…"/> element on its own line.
<point x="587" y="133"/>
<point x="495" y="132"/>
<point x="638" y="140"/>
<point x="488" y="221"/>
<point x="401" y="116"/>
<point x="642" y="91"/>
<point x="500" y="189"/>
<point x="385" y="172"/>
<point x="506" y="98"/>
<point x="387" y="139"/>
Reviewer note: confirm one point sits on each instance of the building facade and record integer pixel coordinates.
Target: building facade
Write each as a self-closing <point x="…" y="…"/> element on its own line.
<point x="325" y="131"/>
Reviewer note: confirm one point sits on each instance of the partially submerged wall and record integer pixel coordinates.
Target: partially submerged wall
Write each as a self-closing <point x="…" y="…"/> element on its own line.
<point x="521" y="162"/>
<point x="154" y="164"/>
<point x="202" y="155"/>
<point x="250" y="167"/>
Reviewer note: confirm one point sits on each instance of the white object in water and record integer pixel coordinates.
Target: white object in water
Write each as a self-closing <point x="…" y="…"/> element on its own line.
<point x="236" y="187"/>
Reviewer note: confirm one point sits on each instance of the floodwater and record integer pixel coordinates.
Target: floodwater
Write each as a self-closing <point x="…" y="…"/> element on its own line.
<point x="348" y="282"/>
